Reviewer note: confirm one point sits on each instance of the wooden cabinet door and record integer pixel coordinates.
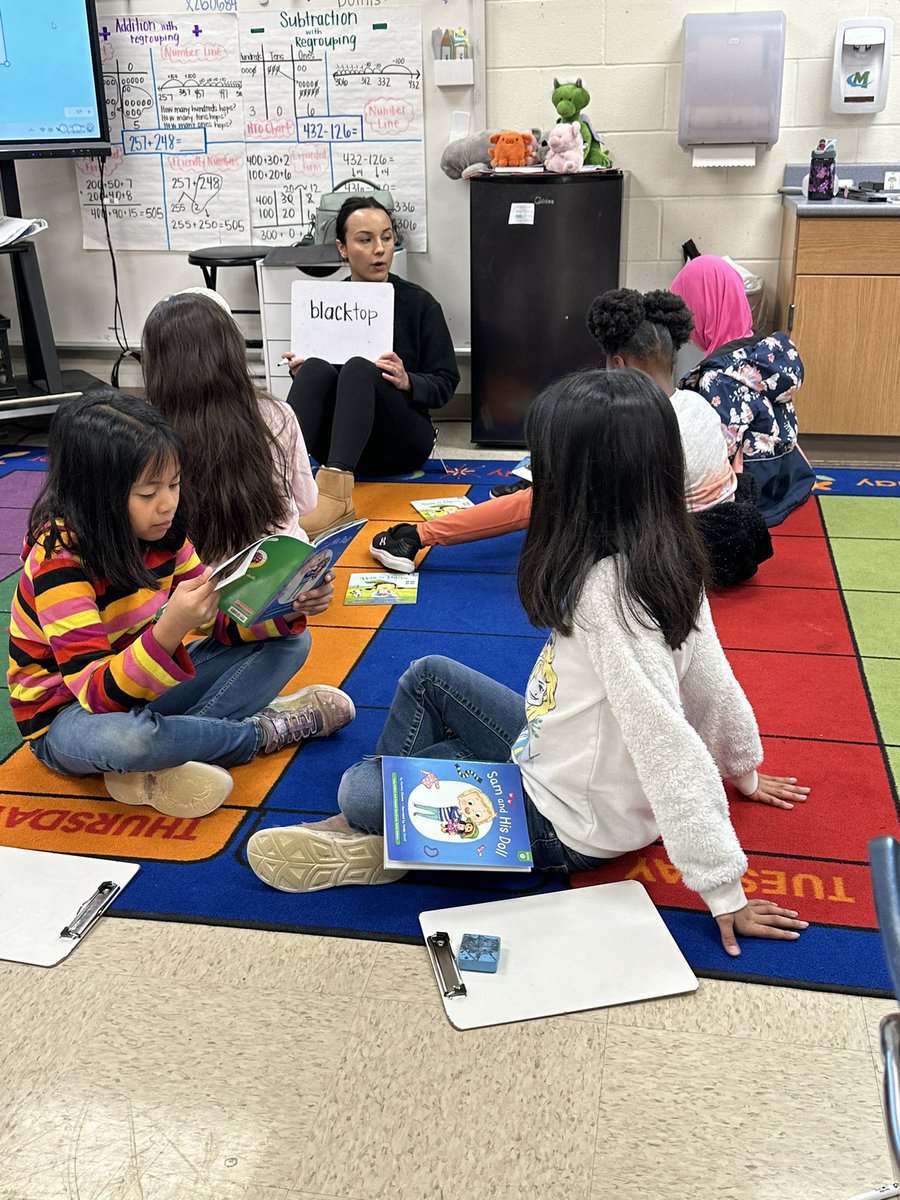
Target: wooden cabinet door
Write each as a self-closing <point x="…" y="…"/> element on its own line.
<point x="847" y="329"/>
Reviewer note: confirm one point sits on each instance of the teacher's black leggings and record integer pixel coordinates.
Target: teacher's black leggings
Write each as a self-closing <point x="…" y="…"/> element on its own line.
<point x="355" y="420"/>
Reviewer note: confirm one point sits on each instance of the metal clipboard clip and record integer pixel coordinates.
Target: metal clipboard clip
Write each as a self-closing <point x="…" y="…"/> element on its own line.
<point x="443" y="962"/>
<point x="91" y="910"/>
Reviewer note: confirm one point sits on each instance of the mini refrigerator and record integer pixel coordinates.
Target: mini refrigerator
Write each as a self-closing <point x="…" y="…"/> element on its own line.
<point x="542" y="247"/>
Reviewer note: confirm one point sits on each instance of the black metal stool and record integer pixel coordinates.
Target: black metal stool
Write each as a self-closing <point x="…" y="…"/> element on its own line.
<point x="211" y="258"/>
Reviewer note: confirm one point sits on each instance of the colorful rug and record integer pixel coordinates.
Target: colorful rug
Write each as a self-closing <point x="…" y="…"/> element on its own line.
<point x="815" y="640"/>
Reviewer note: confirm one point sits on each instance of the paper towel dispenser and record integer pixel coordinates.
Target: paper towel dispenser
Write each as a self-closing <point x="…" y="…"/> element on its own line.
<point x="731" y="76"/>
<point x="862" y="65"/>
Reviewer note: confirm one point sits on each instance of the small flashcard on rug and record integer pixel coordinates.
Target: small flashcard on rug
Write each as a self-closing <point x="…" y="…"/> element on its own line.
<point x="440" y="506"/>
<point x="382" y="588"/>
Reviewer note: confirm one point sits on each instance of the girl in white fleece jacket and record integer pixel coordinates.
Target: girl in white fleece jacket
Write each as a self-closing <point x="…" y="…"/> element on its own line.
<point x="632" y="716"/>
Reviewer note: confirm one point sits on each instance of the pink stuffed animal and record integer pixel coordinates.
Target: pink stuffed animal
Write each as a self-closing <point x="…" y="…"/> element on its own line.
<point x="566" y="148"/>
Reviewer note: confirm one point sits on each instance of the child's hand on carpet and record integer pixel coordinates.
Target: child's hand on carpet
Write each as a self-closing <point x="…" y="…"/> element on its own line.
<point x="779" y="791"/>
<point x="758" y="918"/>
<point x="316" y="601"/>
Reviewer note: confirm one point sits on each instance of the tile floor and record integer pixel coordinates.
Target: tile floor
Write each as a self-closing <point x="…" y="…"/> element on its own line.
<point x="166" y="1062"/>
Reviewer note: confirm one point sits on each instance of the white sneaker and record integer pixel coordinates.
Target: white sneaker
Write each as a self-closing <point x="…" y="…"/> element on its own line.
<point x="191" y="790"/>
<point x="316" y="856"/>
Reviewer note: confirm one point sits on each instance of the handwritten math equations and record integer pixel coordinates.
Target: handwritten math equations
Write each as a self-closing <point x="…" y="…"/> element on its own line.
<point x="331" y="93"/>
<point x="228" y="128"/>
<point x="177" y="178"/>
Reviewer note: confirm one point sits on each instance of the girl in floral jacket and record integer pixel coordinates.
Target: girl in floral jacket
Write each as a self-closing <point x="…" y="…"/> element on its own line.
<point x="749" y="382"/>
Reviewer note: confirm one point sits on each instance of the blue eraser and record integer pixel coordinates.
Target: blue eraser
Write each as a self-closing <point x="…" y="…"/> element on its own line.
<point x="479" y="952"/>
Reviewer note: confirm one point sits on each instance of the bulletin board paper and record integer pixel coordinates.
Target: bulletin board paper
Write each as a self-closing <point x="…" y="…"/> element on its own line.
<point x="177" y="178"/>
<point x="337" y="321"/>
<point x="331" y="93"/>
<point x="229" y="127"/>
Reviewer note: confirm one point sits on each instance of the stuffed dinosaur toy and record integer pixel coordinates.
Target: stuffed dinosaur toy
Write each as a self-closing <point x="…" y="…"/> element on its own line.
<point x="570" y="100"/>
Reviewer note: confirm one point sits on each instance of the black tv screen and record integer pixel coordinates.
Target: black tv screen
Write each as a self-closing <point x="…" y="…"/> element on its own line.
<point x="51" y="86"/>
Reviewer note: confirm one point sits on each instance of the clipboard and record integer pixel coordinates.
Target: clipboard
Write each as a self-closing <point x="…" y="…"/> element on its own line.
<point x="565" y="952"/>
<point x="49" y="902"/>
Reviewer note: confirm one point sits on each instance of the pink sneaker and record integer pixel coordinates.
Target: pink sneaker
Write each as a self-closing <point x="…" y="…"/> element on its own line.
<point x="313" y="712"/>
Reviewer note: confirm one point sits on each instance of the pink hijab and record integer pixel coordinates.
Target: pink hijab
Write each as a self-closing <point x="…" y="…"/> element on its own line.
<point x="714" y="293"/>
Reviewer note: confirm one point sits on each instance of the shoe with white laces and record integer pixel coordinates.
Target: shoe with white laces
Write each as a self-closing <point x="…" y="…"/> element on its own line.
<point x="313" y="712"/>
<point x="396" y="548"/>
<point x="191" y="790"/>
<point x="318" y="855"/>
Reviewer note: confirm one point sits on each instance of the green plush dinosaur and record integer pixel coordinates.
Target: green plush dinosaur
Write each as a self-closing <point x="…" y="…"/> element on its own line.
<point x="569" y="100"/>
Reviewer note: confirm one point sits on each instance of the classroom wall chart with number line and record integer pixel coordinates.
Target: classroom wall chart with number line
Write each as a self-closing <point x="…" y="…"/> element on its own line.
<point x="177" y="177"/>
<point x="229" y="128"/>
<point x="332" y="93"/>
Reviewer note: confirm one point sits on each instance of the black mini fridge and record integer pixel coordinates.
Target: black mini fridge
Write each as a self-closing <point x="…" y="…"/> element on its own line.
<point x="543" y="246"/>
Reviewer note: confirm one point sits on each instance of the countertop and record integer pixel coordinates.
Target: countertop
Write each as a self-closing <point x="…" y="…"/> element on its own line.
<point x="839" y="207"/>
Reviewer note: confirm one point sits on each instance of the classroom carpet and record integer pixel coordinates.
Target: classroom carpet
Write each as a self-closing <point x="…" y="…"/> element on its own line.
<point x="814" y="640"/>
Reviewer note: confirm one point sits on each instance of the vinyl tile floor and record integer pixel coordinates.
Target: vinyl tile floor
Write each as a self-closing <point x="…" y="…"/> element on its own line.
<point x="166" y="1061"/>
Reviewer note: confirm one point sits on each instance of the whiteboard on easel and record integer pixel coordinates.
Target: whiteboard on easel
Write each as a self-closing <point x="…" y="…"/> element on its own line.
<point x="564" y="952"/>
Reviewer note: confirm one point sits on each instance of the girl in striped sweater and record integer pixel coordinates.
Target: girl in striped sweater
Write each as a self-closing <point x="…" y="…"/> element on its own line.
<point x="100" y="678"/>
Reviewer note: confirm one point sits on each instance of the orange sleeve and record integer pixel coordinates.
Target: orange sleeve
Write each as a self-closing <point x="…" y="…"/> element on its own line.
<point x="506" y="514"/>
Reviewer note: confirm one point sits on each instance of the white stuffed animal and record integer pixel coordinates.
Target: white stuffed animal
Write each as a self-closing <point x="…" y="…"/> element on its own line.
<point x="566" y="148"/>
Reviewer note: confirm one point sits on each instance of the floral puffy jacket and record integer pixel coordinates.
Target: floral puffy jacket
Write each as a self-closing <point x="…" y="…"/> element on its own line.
<point x="751" y="385"/>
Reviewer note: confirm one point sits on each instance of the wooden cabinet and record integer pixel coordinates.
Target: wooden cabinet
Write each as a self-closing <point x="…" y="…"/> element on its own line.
<point x="839" y="298"/>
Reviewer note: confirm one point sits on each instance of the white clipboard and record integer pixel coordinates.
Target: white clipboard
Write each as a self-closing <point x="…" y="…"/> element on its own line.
<point x="560" y="953"/>
<point x="48" y="902"/>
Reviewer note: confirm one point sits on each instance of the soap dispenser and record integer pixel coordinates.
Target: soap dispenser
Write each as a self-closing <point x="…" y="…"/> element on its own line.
<point x="862" y="65"/>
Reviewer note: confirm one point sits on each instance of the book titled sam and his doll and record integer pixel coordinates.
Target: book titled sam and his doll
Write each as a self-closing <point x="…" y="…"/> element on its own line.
<point x="450" y="813"/>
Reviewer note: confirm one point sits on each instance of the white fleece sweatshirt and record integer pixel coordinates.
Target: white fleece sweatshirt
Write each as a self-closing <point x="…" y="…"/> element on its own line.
<point x="627" y="739"/>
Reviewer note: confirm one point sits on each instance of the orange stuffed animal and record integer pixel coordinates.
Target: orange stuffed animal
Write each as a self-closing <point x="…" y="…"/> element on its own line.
<point x="511" y="149"/>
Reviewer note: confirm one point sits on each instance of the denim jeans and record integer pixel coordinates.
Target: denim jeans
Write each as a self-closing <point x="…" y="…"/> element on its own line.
<point x="204" y="719"/>
<point x="442" y="709"/>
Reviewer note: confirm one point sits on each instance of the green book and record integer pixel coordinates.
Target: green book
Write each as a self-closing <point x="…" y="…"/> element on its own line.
<point x="262" y="581"/>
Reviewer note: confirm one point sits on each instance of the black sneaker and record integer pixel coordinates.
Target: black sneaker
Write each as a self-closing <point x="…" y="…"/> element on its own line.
<point x="507" y="489"/>
<point x="396" y="548"/>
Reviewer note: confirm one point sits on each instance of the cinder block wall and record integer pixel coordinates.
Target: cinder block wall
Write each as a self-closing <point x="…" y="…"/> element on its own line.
<point x="628" y="53"/>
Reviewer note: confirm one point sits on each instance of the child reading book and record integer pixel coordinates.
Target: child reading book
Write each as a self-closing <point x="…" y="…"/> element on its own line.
<point x="632" y="717"/>
<point x="100" y="678"/>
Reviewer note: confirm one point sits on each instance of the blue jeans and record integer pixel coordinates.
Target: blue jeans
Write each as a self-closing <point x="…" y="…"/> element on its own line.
<point x="442" y="709"/>
<point x="204" y="719"/>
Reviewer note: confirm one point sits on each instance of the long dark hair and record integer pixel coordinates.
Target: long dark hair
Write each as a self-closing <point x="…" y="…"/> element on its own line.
<point x="608" y="471"/>
<point x="195" y="371"/>
<point x="100" y="445"/>
<point x="649" y="328"/>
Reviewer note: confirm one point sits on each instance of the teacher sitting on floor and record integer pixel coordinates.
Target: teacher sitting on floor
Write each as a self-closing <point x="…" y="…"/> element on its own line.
<point x="373" y="417"/>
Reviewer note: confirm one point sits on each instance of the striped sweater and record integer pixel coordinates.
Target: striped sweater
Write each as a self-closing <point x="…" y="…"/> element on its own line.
<point x="74" y="639"/>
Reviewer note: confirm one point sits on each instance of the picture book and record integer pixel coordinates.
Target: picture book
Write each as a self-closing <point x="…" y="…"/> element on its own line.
<point x="382" y="588"/>
<point x="439" y="507"/>
<point x="523" y="468"/>
<point x="262" y="581"/>
<point x="451" y="815"/>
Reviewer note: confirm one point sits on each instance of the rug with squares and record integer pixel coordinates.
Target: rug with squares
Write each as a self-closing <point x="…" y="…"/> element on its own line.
<point x="814" y="640"/>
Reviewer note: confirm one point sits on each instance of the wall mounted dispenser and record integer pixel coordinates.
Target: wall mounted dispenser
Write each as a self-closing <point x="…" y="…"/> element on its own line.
<point x="732" y="70"/>
<point x="862" y="65"/>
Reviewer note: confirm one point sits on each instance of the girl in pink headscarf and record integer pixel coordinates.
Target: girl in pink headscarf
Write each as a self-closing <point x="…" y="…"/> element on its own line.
<point x="749" y="382"/>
